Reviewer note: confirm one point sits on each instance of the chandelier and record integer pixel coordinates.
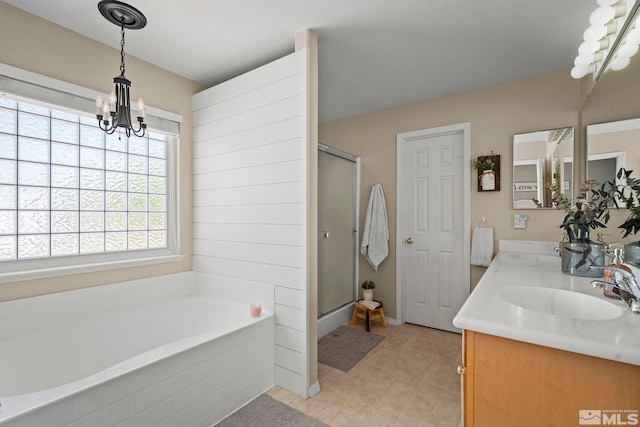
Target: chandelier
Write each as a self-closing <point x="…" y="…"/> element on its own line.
<point x="116" y="112"/>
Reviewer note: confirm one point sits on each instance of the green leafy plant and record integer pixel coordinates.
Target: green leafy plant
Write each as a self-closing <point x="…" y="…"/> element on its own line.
<point x="483" y="163"/>
<point x="628" y="192"/>
<point x="590" y="210"/>
<point x="368" y="284"/>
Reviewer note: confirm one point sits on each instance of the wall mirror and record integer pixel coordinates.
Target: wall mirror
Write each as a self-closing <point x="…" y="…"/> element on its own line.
<point x="541" y="159"/>
<point x="611" y="146"/>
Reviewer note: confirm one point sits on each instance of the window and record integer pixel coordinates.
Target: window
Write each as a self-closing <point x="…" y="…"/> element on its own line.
<point x="69" y="191"/>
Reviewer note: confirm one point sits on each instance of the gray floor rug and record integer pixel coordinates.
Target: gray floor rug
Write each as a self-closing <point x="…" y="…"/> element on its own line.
<point x="344" y="347"/>
<point x="265" y="411"/>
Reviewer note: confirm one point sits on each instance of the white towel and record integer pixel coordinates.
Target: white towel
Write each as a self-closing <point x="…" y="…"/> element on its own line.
<point x="375" y="235"/>
<point x="482" y="246"/>
<point x="371" y="305"/>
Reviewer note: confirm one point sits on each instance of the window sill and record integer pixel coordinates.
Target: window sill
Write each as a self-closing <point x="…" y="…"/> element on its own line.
<point x="31" y="274"/>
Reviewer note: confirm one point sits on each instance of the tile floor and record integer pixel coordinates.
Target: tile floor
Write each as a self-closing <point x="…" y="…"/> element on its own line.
<point x="409" y="379"/>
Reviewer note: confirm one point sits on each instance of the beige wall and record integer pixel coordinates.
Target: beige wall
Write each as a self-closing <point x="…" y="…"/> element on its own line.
<point x="496" y="113"/>
<point x="37" y="45"/>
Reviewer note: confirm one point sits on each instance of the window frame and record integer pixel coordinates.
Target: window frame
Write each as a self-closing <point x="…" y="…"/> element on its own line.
<point x="34" y="268"/>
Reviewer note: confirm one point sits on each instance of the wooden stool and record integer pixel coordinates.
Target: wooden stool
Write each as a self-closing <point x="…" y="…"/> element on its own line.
<point x="364" y="312"/>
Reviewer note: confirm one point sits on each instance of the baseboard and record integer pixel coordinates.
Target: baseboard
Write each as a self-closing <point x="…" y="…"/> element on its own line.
<point x="314" y="389"/>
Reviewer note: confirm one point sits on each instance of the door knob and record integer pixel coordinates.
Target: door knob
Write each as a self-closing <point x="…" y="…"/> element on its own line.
<point x="410" y="240"/>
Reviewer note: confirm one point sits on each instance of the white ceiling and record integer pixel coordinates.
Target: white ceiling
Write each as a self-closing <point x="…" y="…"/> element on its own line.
<point x="373" y="54"/>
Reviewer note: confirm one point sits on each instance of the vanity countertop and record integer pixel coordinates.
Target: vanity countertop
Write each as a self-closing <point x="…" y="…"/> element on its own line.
<point x="512" y="276"/>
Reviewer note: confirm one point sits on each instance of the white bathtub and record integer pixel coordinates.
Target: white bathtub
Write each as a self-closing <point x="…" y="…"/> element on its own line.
<point x="175" y="350"/>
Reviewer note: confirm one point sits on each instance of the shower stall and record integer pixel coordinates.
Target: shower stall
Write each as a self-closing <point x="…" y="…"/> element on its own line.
<point x="338" y="236"/>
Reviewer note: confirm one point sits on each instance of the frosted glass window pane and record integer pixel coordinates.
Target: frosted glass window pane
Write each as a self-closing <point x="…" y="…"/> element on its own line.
<point x="157" y="185"/>
<point x="91" y="221"/>
<point x="34" y="198"/>
<point x="116" y="161"/>
<point x="8" y="146"/>
<point x="157" y="149"/>
<point x="8" y="222"/>
<point x="35" y="150"/>
<point x="91" y="243"/>
<point x="138" y="146"/>
<point x="92" y="179"/>
<point x="157" y="221"/>
<point x="157" y="239"/>
<point x="31" y="108"/>
<point x="8" y="121"/>
<point x="33" y="246"/>
<point x="116" y="221"/>
<point x="7" y="172"/>
<point x="137" y="240"/>
<point x="91" y="200"/>
<point x="91" y="158"/>
<point x="157" y="167"/>
<point x="64" y="115"/>
<point x="138" y="183"/>
<point x="8" y="103"/>
<point x="64" y="244"/>
<point x="33" y="126"/>
<point x="64" y="176"/>
<point x="137" y="164"/>
<point x="30" y="222"/>
<point x="65" y="222"/>
<point x="137" y="221"/>
<point x="8" y="248"/>
<point x="116" y="181"/>
<point x="65" y="200"/>
<point x="157" y="203"/>
<point x="116" y="142"/>
<point x="36" y="174"/>
<point x="64" y="131"/>
<point x="91" y="137"/>
<point x="7" y="197"/>
<point x="64" y="154"/>
<point x="116" y="242"/>
<point x="137" y="202"/>
<point x="116" y="201"/>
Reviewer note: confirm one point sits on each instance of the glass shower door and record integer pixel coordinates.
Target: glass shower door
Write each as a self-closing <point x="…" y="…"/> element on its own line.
<point x="337" y="238"/>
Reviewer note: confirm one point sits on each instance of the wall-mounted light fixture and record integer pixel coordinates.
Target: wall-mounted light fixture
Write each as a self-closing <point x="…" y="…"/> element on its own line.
<point x="610" y="41"/>
<point x="116" y="113"/>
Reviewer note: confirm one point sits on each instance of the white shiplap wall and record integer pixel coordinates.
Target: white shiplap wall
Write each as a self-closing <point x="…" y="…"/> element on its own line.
<point x="250" y="195"/>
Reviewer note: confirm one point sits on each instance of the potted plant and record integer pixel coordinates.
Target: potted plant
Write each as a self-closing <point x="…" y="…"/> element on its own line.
<point x="487" y="176"/>
<point x="590" y="211"/>
<point x="367" y="290"/>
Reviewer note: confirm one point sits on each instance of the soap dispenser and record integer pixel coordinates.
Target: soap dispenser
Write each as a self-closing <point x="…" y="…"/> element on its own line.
<point x="608" y="274"/>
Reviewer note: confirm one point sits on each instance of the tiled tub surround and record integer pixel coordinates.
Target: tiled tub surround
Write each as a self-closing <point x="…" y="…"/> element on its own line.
<point x="522" y="266"/>
<point x="174" y="350"/>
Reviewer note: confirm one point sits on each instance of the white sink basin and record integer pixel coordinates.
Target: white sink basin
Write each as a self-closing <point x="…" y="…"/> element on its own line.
<point x="560" y="302"/>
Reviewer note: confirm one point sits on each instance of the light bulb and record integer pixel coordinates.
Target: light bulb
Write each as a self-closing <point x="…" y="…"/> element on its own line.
<point x="607" y="2"/>
<point x="619" y="63"/>
<point x="633" y="36"/>
<point x="141" y="112"/>
<point x="99" y="104"/>
<point x="580" y="72"/>
<point x="585" y="60"/>
<point x="589" y="48"/>
<point x="595" y="33"/>
<point x="602" y="15"/>
<point x="628" y="49"/>
<point x="105" y="109"/>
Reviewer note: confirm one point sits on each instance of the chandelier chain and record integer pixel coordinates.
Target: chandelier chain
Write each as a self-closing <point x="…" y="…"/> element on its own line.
<point x="122" y="49"/>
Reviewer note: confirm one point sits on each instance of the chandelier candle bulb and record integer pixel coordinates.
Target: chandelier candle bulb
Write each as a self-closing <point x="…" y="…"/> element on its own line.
<point x="141" y="111"/>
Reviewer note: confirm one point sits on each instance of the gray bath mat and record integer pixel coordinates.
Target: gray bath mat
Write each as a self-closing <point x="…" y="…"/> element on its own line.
<point x="265" y="411"/>
<point x="344" y="347"/>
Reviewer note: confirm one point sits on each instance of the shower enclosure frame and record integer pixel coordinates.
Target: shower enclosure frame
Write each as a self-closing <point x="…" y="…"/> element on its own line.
<point x="342" y="315"/>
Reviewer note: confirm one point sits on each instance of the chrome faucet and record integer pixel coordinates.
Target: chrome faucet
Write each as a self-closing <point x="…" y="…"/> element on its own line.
<point x="625" y="286"/>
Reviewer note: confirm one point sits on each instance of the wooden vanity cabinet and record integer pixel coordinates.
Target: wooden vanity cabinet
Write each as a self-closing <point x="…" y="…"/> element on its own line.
<point x="513" y="383"/>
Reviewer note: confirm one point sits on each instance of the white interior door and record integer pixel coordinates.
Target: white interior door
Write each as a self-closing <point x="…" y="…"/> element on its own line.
<point x="433" y="232"/>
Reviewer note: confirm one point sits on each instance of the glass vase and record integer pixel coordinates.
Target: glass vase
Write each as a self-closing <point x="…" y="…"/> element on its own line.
<point x="632" y="253"/>
<point x="580" y="255"/>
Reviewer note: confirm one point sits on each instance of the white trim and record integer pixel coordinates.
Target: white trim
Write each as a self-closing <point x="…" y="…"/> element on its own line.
<point x="401" y="138"/>
<point x="41" y="273"/>
<point x="610" y="127"/>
